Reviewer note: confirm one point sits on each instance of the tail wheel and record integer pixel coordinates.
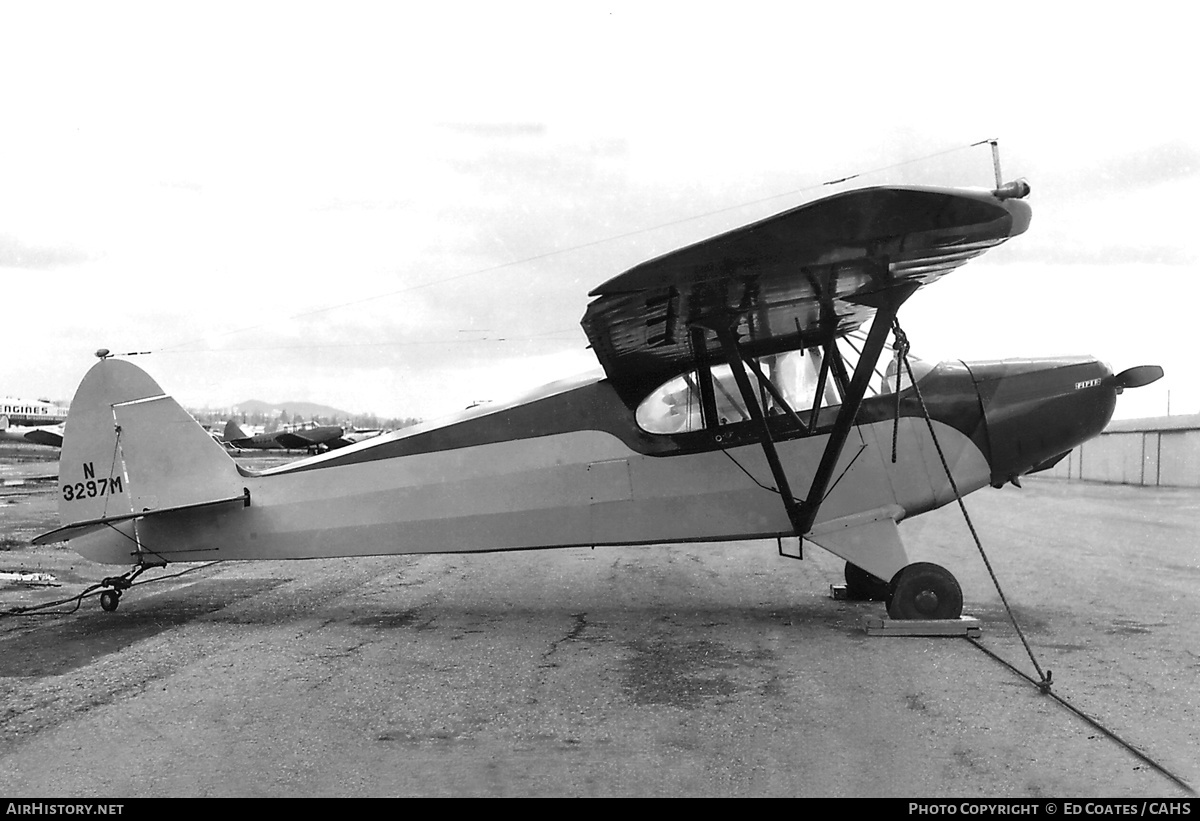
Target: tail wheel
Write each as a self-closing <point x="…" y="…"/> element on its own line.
<point x="109" y="600"/>
<point x="862" y="586"/>
<point x="925" y="591"/>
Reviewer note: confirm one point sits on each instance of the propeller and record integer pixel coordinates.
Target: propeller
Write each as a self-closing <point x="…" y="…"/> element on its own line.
<point x="1138" y="376"/>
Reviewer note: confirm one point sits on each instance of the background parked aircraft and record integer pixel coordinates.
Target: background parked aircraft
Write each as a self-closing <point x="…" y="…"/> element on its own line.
<point x="313" y="439"/>
<point x="51" y="435"/>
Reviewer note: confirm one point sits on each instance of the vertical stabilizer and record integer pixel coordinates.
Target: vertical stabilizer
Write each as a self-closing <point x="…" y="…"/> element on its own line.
<point x="234" y="432"/>
<point x="130" y="449"/>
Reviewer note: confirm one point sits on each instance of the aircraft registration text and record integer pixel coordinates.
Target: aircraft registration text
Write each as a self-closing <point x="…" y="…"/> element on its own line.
<point x="91" y="487"/>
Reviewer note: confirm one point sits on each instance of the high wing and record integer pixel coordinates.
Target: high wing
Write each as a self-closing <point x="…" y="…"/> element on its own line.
<point x="793" y="280"/>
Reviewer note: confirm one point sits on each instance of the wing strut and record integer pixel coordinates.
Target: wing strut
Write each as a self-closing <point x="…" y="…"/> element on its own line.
<point x="733" y="352"/>
<point x="803" y="514"/>
<point x="708" y="401"/>
<point x="852" y="398"/>
<point x="780" y="401"/>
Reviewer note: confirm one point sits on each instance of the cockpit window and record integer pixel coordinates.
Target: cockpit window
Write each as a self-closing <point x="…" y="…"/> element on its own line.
<point x="676" y="406"/>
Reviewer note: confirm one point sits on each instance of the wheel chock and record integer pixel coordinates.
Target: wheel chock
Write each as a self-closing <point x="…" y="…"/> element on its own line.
<point x="967" y="626"/>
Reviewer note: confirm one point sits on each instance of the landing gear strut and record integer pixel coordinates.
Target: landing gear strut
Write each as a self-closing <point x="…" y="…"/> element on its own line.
<point x="924" y="591"/>
<point x="110" y="599"/>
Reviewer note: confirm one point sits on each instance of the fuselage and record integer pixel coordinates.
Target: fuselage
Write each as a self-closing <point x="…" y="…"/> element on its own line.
<point x="571" y="466"/>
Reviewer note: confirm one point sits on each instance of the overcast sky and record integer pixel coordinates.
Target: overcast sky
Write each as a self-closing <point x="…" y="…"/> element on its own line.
<point x="400" y="208"/>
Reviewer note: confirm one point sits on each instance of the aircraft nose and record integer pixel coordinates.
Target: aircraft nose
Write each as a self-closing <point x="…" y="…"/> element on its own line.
<point x="1036" y="410"/>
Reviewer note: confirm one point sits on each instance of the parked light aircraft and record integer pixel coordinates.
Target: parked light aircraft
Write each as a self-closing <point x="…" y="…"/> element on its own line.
<point x="51" y="435"/>
<point x="313" y="439"/>
<point x="729" y="408"/>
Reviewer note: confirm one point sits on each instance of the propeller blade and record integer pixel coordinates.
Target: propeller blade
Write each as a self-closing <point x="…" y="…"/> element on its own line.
<point x="1139" y="376"/>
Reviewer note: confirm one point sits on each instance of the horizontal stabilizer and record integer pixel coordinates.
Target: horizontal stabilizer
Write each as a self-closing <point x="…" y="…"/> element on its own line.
<point x="76" y="529"/>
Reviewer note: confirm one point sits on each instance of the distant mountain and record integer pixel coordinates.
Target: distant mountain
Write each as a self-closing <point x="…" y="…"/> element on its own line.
<point x="305" y="409"/>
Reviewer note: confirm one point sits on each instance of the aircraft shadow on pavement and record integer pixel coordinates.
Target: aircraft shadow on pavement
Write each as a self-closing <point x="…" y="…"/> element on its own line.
<point x="816" y="616"/>
<point x="88" y="635"/>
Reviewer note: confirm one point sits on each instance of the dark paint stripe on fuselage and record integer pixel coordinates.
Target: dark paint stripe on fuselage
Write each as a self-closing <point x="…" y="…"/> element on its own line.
<point x="948" y="390"/>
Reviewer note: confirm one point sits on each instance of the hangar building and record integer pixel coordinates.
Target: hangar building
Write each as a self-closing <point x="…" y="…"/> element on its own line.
<point x="1159" y="451"/>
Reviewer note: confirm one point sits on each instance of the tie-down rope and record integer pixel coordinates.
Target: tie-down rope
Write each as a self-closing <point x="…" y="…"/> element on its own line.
<point x="1043" y="685"/>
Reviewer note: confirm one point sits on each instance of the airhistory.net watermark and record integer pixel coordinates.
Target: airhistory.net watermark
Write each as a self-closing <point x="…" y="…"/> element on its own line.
<point x="75" y="808"/>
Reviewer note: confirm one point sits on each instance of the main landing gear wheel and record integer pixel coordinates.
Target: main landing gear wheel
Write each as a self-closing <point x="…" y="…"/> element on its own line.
<point x="109" y="600"/>
<point x="862" y="586"/>
<point x="925" y="591"/>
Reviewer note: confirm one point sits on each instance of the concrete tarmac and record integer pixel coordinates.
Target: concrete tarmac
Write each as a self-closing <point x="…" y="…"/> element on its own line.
<point x="697" y="670"/>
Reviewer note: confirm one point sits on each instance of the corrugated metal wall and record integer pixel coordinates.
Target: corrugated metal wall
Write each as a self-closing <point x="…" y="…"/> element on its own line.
<point x="1158" y="452"/>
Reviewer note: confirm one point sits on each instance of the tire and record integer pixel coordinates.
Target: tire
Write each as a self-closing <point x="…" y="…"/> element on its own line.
<point x="925" y="591"/>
